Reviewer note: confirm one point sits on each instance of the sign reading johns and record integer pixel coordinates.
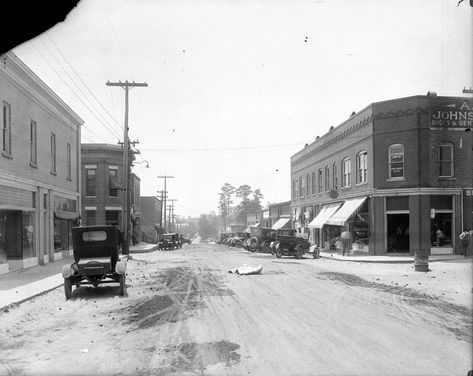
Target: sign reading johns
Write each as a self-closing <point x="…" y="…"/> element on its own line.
<point x="455" y="115"/>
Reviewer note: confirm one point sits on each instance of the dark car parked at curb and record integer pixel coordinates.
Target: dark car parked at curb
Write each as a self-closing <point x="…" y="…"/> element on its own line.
<point x="169" y="241"/>
<point x="238" y="240"/>
<point x="96" y="258"/>
<point x="261" y="238"/>
<point x="289" y="244"/>
<point x="185" y="240"/>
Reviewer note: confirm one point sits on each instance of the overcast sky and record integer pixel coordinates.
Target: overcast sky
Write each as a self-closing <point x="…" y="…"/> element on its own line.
<point x="237" y="87"/>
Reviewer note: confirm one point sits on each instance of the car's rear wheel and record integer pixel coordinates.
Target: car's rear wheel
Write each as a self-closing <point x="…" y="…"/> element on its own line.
<point x="277" y="250"/>
<point x="265" y="247"/>
<point x="68" y="287"/>
<point x="238" y="244"/>
<point x="253" y="244"/>
<point x="298" y="251"/>
<point x="121" y="279"/>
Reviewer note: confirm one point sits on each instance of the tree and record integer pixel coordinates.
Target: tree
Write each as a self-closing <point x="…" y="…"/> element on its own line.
<point x="225" y="200"/>
<point x="208" y="226"/>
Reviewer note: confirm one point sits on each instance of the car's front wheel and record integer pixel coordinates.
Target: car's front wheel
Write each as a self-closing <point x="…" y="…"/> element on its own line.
<point x="238" y="244"/>
<point x="265" y="247"/>
<point x="298" y="251"/>
<point x="68" y="287"/>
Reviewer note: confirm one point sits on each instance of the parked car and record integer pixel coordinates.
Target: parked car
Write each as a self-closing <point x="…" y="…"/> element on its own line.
<point x="229" y="237"/>
<point x="97" y="259"/>
<point x="222" y="238"/>
<point x="261" y="238"/>
<point x="239" y="239"/>
<point x="169" y="241"/>
<point x="288" y="243"/>
<point x="185" y="240"/>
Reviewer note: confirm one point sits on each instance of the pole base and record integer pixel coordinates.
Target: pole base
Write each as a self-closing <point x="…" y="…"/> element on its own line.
<point x="421" y="268"/>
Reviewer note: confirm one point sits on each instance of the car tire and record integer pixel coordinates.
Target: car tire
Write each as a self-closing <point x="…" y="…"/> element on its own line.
<point x="277" y="251"/>
<point x="238" y="244"/>
<point x="121" y="279"/>
<point x="316" y="253"/>
<point x="68" y="288"/>
<point x="253" y="244"/>
<point x="265" y="247"/>
<point x="298" y="252"/>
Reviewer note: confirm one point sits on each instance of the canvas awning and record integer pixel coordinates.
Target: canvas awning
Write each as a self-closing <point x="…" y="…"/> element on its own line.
<point x="66" y="215"/>
<point x="280" y="223"/>
<point x="325" y="213"/>
<point x="346" y="211"/>
<point x="255" y="225"/>
<point x="114" y="183"/>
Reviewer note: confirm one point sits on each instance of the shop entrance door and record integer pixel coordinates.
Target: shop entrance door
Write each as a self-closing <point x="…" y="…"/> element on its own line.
<point x="441" y="234"/>
<point x="398" y="233"/>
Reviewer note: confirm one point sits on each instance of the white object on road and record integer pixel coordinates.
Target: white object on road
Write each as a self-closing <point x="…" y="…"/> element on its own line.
<point x="247" y="269"/>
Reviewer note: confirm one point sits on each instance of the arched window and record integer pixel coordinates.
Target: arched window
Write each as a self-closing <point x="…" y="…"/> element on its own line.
<point x="346" y="172"/>
<point x="319" y="181"/>
<point x="335" y="176"/>
<point x="445" y="160"/>
<point x="361" y="167"/>
<point x="314" y="182"/>
<point x="327" y="178"/>
<point x="301" y="186"/>
<point x="396" y="161"/>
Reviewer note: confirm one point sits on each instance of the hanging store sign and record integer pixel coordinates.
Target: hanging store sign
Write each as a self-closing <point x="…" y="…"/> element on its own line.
<point x="455" y="115"/>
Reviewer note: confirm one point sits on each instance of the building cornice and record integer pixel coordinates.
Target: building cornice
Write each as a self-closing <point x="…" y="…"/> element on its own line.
<point x="33" y="87"/>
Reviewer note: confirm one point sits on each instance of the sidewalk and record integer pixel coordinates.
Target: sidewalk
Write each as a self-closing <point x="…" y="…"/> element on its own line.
<point x="18" y="286"/>
<point x="395" y="258"/>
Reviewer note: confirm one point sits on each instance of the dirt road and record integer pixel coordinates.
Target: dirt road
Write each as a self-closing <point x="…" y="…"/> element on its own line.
<point x="186" y="315"/>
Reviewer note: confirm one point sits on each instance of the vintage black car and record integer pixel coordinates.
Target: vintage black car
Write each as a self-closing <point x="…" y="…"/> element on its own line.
<point x="288" y="243"/>
<point x="185" y="240"/>
<point x="96" y="258"/>
<point x="169" y="241"/>
<point x="228" y="239"/>
<point x="222" y="237"/>
<point x="238" y="240"/>
<point x="261" y="238"/>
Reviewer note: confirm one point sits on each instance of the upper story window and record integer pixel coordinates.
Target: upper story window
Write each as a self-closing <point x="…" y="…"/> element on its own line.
<point x="53" y="153"/>
<point x="294" y="189"/>
<point x="396" y="161"/>
<point x="91" y="182"/>
<point x="33" y="144"/>
<point x="69" y="161"/>
<point x="314" y="182"/>
<point x="346" y="172"/>
<point x="335" y="176"/>
<point x="319" y="181"/>
<point x="307" y="184"/>
<point x="445" y="156"/>
<point x="113" y="183"/>
<point x="361" y="167"/>
<point x="327" y="178"/>
<point x="6" y="129"/>
<point x="301" y="186"/>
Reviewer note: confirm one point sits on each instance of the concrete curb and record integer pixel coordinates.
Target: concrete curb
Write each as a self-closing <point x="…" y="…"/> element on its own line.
<point x="144" y="250"/>
<point x="382" y="261"/>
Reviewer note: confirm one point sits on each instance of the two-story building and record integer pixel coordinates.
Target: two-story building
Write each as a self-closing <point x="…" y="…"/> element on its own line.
<point x="151" y="218"/>
<point x="396" y="177"/>
<point x="102" y="188"/>
<point x="39" y="169"/>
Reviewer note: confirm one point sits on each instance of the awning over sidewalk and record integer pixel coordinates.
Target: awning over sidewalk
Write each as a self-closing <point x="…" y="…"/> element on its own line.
<point x="325" y="213"/>
<point x="280" y="223"/>
<point x="114" y="183"/>
<point x="65" y="215"/>
<point x="346" y="211"/>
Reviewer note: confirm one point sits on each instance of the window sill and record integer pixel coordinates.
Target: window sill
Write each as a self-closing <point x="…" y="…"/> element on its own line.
<point x="362" y="183"/>
<point x="6" y="155"/>
<point x="396" y="179"/>
<point x="90" y="196"/>
<point x="34" y="165"/>
<point x="447" y="178"/>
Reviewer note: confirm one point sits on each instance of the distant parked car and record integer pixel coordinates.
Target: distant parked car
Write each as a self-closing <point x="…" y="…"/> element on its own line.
<point x="96" y="258"/>
<point x="288" y="243"/>
<point x="169" y="241"/>
<point x="185" y="240"/>
<point x="261" y="238"/>
<point x="238" y="240"/>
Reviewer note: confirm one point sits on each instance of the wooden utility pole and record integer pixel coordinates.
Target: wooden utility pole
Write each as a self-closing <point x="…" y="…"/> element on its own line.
<point x="171" y="216"/>
<point x="165" y="177"/>
<point x="126" y="166"/>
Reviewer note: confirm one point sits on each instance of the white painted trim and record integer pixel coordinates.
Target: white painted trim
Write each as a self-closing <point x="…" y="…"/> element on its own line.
<point x="113" y="167"/>
<point x="4" y="268"/>
<point x="29" y="262"/>
<point x="441" y="250"/>
<point x="90" y="167"/>
<point x="90" y="208"/>
<point x="57" y="255"/>
<point x="117" y="208"/>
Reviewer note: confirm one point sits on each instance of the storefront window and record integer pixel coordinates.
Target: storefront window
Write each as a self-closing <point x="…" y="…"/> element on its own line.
<point x="62" y="234"/>
<point x="27" y="235"/>
<point x="441" y="221"/>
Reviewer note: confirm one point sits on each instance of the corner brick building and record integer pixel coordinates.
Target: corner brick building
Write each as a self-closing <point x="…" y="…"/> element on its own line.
<point x="395" y="177"/>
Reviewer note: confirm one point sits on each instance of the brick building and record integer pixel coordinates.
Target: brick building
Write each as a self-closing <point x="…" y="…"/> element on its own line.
<point x="396" y="177"/>
<point x="39" y="169"/>
<point x="151" y="218"/>
<point x="102" y="195"/>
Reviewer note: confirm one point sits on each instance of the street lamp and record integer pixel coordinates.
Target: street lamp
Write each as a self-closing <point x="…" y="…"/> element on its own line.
<point x="144" y="161"/>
